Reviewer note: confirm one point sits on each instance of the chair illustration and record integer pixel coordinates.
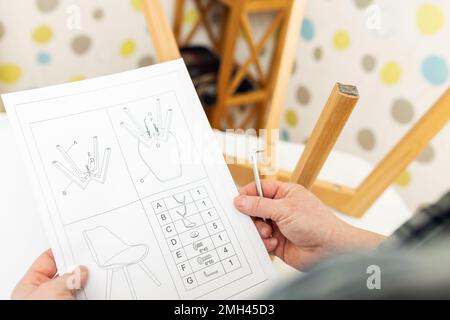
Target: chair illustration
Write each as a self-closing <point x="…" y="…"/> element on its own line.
<point x="112" y="254"/>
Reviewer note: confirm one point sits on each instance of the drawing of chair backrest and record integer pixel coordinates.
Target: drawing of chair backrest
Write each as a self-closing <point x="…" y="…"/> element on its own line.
<point x="113" y="254"/>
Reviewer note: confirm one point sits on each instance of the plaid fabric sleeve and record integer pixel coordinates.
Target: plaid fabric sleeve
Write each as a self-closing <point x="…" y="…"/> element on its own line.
<point x="427" y="225"/>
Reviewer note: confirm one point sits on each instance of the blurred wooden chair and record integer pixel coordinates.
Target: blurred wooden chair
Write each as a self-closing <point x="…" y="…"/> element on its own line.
<point x="342" y="100"/>
<point x="235" y="25"/>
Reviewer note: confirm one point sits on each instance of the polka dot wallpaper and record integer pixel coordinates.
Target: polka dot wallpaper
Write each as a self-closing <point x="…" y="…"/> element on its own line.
<point x="45" y="42"/>
<point x="396" y="52"/>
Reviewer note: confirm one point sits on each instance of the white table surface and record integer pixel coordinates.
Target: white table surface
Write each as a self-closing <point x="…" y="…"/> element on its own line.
<point x="22" y="237"/>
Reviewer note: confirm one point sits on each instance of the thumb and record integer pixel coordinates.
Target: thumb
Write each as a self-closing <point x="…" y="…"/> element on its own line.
<point x="258" y="206"/>
<point x="67" y="284"/>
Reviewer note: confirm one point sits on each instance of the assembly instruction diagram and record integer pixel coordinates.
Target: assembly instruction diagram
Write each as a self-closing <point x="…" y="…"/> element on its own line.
<point x="155" y="142"/>
<point x="131" y="188"/>
<point x="94" y="169"/>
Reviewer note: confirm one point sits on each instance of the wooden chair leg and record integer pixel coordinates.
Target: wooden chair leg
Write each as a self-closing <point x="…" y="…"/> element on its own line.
<point x="159" y="29"/>
<point x="231" y="31"/>
<point x="178" y="19"/>
<point x="401" y="155"/>
<point x="281" y="76"/>
<point x="332" y="120"/>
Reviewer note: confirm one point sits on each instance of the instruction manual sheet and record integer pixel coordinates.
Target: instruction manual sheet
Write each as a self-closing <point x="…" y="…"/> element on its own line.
<point x="131" y="183"/>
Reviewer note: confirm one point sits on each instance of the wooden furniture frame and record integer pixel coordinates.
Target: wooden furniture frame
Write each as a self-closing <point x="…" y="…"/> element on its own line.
<point x="352" y="201"/>
<point x="356" y="201"/>
<point x="235" y="21"/>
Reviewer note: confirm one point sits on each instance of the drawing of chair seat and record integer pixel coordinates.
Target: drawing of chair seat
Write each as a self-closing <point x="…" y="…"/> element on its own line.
<point x="112" y="254"/>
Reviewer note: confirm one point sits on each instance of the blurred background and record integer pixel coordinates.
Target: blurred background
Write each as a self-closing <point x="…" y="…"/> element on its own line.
<point x="396" y="52"/>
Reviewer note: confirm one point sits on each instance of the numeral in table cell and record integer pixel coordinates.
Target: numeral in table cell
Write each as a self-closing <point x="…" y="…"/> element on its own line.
<point x="174" y="243"/>
<point x="220" y="239"/>
<point x="209" y="273"/>
<point x="231" y="264"/>
<point x="209" y="215"/>
<point x="204" y="204"/>
<point x="159" y="206"/>
<point x="184" y="268"/>
<point x="214" y="226"/>
<point x="198" y="247"/>
<point x="179" y="255"/>
<point x="199" y="193"/>
<point x="225" y="251"/>
<point x="189" y="282"/>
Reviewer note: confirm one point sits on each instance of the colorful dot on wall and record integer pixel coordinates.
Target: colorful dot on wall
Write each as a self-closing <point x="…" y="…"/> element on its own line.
<point x="341" y="40"/>
<point x="81" y="44"/>
<point x="42" y="34"/>
<point x="146" y="61"/>
<point x="46" y="5"/>
<point x="427" y="155"/>
<point x="402" y="111"/>
<point x="435" y="70"/>
<point x="391" y="73"/>
<point x="430" y="19"/>
<point x="317" y="53"/>
<point x="404" y="179"/>
<point x="43" y="58"/>
<point x="136" y="5"/>
<point x="307" y="29"/>
<point x="98" y="14"/>
<point x="362" y="4"/>
<point x="369" y="63"/>
<point x="76" y="78"/>
<point x="291" y="118"/>
<point x="127" y="48"/>
<point x="10" y="73"/>
<point x="2" y="30"/>
<point x="303" y="95"/>
<point x="285" y="135"/>
<point x="366" y="139"/>
<point x="294" y="67"/>
<point x="191" y="16"/>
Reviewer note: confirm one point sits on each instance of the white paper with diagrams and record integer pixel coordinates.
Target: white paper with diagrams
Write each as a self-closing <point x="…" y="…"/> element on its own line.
<point x="131" y="183"/>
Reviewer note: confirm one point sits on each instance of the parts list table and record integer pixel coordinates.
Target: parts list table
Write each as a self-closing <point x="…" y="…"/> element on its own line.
<point x="200" y="246"/>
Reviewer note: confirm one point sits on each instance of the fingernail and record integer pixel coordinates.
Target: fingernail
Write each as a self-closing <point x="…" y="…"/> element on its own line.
<point x="273" y="242"/>
<point x="76" y="269"/>
<point x="240" y="201"/>
<point x="83" y="269"/>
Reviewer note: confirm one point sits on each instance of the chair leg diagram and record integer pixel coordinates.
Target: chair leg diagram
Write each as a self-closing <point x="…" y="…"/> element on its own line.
<point x="112" y="254"/>
<point x="157" y="147"/>
<point x="94" y="169"/>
